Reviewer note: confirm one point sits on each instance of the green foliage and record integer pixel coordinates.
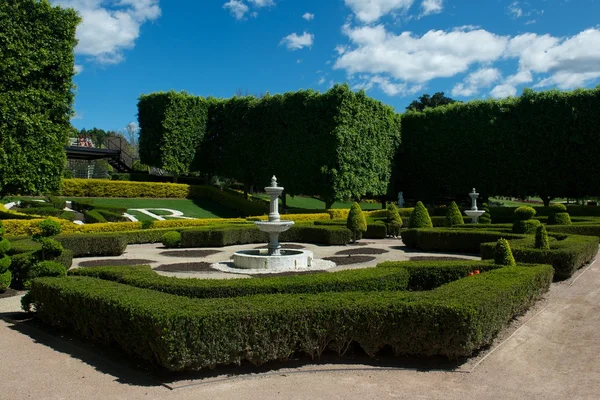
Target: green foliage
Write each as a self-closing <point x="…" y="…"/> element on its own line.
<point x="356" y="222"/>
<point x="50" y="249"/>
<point x="527" y="227"/>
<point x="427" y="101"/>
<point x="524" y="213"/>
<point x="180" y="333"/>
<point x="36" y="94"/>
<point x="541" y="238"/>
<point x="503" y="254"/>
<point x="171" y="239"/>
<point x="486" y="217"/>
<point x="5" y="279"/>
<point x="47" y="228"/>
<point x="393" y="220"/>
<point x="451" y="240"/>
<point x="565" y="256"/>
<point x="5" y="261"/>
<point x="553" y="129"/>
<point x="454" y="216"/>
<point x="561" y="218"/>
<point x="585" y="230"/>
<point x="369" y="279"/>
<point x="44" y="268"/>
<point x="557" y="208"/>
<point x="23" y="266"/>
<point x="420" y="217"/>
<point x="94" y="245"/>
<point x="172" y="128"/>
<point x="93" y="217"/>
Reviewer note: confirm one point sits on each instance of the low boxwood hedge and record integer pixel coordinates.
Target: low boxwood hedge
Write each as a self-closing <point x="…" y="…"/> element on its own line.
<point x="343" y="281"/>
<point x="376" y="228"/>
<point x="583" y="229"/>
<point x="452" y="239"/>
<point x="93" y="245"/>
<point x="23" y="262"/>
<point x="566" y="255"/>
<point x="180" y="333"/>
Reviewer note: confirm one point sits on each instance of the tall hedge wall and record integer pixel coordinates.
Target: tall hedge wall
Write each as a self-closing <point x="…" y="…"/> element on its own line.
<point x="36" y="94"/>
<point x="336" y="145"/>
<point x="544" y="143"/>
<point x="172" y="126"/>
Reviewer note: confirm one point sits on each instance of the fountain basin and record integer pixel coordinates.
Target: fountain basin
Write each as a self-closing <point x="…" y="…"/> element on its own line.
<point x="474" y="214"/>
<point x="274" y="226"/>
<point x="289" y="260"/>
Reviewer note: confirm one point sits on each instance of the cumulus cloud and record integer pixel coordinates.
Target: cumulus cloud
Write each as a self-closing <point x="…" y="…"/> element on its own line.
<point x="110" y="27"/>
<point x="369" y="11"/>
<point x="237" y="8"/>
<point x="432" y="6"/>
<point x="482" y="78"/>
<point x="294" y="41"/>
<point x="78" y="68"/>
<point x="375" y="52"/>
<point x="308" y="16"/>
<point x="262" y="3"/>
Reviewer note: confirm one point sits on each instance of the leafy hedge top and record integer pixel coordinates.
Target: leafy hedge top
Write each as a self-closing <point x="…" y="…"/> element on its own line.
<point x="557" y="208"/>
<point x="524" y="213"/>
<point x="36" y="94"/>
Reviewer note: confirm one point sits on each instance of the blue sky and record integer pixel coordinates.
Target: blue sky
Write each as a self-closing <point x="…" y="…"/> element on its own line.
<point x="394" y="49"/>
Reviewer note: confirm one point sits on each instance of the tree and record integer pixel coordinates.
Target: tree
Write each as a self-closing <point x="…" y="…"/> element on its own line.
<point x="131" y="133"/>
<point x="36" y="94"/>
<point x="356" y="222"/>
<point x="426" y="101"/>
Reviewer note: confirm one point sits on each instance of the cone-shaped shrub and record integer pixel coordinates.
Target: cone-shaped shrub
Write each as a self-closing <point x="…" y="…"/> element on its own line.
<point x="486" y="217"/>
<point x="420" y="217"/>
<point x="541" y="238"/>
<point x="356" y="222"/>
<point x="453" y="216"/>
<point x="503" y="254"/>
<point x="393" y="220"/>
<point x="5" y="274"/>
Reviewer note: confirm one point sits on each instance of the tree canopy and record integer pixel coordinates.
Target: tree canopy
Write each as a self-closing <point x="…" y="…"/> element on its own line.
<point x="427" y="101"/>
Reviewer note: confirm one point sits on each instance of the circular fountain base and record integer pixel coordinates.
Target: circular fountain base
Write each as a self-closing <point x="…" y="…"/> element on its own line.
<point x="259" y="262"/>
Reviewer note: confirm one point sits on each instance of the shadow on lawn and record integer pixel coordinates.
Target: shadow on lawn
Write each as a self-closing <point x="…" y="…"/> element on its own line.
<point x="127" y="370"/>
<point x="216" y="208"/>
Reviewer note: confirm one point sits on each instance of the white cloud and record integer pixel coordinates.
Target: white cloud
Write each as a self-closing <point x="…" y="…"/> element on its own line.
<point x="321" y="80"/>
<point x="515" y="10"/>
<point x="78" y="68"/>
<point x="476" y="81"/>
<point x="237" y="8"/>
<point x="369" y="11"/>
<point x="110" y="27"/>
<point x="432" y="6"/>
<point x="341" y="49"/>
<point x="296" y="42"/>
<point x="308" y="16"/>
<point x="262" y="3"/>
<point x="509" y="86"/>
<point x="410" y="58"/>
<point x="503" y="91"/>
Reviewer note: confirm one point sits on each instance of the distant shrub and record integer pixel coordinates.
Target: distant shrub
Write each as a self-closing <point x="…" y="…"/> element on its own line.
<point x="541" y="238"/>
<point x="503" y="254"/>
<point x="561" y="218"/>
<point x="356" y="222"/>
<point x="453" y="215"/>
<point x="393" y="220"/>
<point x="171" y="239"/>
<point x="420" y="217"/>
<point x="486" y="217"/>
<point x="47" y="228"/>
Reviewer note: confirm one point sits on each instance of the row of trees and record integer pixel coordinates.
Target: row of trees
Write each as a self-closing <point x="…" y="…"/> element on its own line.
<point x="335" y="145"/>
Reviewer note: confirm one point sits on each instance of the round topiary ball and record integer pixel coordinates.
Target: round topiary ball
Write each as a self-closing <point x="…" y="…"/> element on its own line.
<point x="526" y="227"/>
<point x="561" y="218"/>
<point x="454" y="216"/>
<point x="557" y="208"/>
<point x="524" y="213"/>
<point x="46" y="228"/>
<point x="420" y="217"/>
<point x="171" y="239"/>
<point x="541" y="238"/>
<point x="503" y="254"/>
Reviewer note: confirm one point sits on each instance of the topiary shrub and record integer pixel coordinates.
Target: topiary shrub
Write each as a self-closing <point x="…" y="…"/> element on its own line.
<point x="393" y="220"/>
<point x="47" y="228"/>
<point x="44" y="268"/>
<point x="541" y="238"/>
<point x="527" y="227"/>
<point x="454" y="216"/>
<point x="486" y="217"/>
<point x="559" y="215"/>
<point x="50" y="249"/>
<point x="503" y="254"/>
<point x="420" y="217"/>
<point x="5" y="261"/>
<point x="356" y="222"/>
<point x="171" y="239"/>
<point x="524" y="213"/>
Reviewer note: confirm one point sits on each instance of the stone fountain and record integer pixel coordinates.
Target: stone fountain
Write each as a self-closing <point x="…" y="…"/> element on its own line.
<point x="273" y="258"/>
<point x="474" y="213"/>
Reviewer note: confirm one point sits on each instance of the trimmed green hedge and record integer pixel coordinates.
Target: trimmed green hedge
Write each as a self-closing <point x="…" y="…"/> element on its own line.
<point x="94" y="245"/>
<point x="23" y="263"/>
<point x="368" y="279"/>
<point x="585" y="230"/>
<point x="179" y="333"/>
<point x="452" y="239"/>
<point x="376" y="228"/>
<point x="566" y="256"/>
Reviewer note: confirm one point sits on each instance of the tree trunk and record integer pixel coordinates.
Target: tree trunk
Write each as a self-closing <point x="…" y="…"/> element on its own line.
<point x="383" y="205"/>
<point x="329" y="204"/>
<point x="246" y="191"/>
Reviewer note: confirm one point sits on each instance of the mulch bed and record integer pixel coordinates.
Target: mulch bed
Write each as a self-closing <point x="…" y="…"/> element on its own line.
<point x="438" y="258"/>
<point x="187" y="267"/>
<point x="364" y="250"/>
<point x="349" y="259"/>
<point x="190" y="253"/>
<point x="114" y="263"/>
<point x="285" y="246"/>
<point x="10" y="293"/>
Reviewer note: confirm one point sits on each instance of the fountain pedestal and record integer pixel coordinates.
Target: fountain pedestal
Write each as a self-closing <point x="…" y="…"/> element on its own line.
<point x="474" y="213"/>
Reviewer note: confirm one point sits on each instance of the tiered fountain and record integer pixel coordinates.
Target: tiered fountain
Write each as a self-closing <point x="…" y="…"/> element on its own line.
<point x="474" y="213"/>
<point x="273" y="258"/>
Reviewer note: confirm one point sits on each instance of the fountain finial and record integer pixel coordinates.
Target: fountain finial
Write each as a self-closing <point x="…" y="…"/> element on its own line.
<point x="274" y="181"/>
